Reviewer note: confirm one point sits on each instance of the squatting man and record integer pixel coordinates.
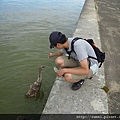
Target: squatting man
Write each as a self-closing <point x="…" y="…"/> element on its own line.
<point x="79" y="67"/>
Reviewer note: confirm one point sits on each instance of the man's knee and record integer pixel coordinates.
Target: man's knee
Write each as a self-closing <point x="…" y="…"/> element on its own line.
<point x="68" y="77"/>
<point x="59" y="61"/>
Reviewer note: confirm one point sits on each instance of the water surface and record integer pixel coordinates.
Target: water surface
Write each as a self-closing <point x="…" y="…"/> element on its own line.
<point x="25" y="26"/>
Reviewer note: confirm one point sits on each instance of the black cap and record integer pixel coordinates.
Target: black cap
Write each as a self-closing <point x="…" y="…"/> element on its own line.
<point x="56" y="37"/>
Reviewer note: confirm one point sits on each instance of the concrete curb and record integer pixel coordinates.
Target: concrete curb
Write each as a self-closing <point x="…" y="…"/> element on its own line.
<point x="90" y="99"/>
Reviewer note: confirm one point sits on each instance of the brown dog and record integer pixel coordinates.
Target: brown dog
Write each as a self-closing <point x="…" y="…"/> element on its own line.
<point x="35" y="87"/>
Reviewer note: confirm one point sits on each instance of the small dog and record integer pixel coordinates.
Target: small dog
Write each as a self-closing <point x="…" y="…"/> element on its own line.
<point x="35" y="87"/>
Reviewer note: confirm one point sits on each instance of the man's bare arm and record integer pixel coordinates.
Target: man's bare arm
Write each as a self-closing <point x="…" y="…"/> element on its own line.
<point x="55" y="54"/>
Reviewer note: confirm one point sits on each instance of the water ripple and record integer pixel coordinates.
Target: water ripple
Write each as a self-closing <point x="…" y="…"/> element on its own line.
<point x="24" y="30"/>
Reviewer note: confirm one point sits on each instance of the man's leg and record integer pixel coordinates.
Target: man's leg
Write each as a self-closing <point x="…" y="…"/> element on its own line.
<point x="64" y="62"/>
<point x="77" y="80"/>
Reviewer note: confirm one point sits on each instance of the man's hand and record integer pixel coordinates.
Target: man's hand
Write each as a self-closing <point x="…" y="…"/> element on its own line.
<point x="60" y="72"/>
<point x="54" y="54"/>
<point x="50" y="55"/>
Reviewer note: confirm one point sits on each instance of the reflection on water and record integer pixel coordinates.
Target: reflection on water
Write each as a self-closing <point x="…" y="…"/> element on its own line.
<point x="25" y="26"/>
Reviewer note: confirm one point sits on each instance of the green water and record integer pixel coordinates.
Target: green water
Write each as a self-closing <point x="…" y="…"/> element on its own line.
<point x="24" y="30"/>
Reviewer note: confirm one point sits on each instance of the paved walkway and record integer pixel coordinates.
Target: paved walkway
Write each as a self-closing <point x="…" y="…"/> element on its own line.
<point x="90" y="99"/>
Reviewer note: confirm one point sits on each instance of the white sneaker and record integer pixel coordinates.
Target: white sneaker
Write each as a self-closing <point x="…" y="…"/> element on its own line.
<point x="58" y="78"/>
<point x="55" y="69"/>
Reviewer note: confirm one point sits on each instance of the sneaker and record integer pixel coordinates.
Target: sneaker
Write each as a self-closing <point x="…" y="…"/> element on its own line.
<point x="77" y="85"/>
<point x="55" y="69"/>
